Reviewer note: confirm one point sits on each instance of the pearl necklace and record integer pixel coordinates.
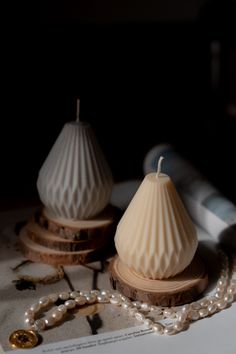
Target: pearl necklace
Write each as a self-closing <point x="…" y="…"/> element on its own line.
<point x="162" y="320"/>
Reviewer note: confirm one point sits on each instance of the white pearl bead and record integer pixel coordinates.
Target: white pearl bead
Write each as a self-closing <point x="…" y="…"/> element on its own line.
<point x="102" y="298"/>
<point x="39" y="324"/>
<point x="124" y="298"/>
<point x="203" y="312"/>
<point x="219" y="295"/>
<point x="220" y="289"/>
<point x="126" y="305"/>
<point x="80" y="300"/>
<point x="145" y="306"/>
<point x="84" y="292"/>
<point x="167" y="312"/>
<point x="29" y="321"/>
<point x="105" y="292"/>
<point x="91" y="298"/>
<point x="231" y="289"/>
<point x="57" y="315"/>
<point x="181" y="316"/>
<point x="212" y="308"/>
<point x="222" y="282"/>
<point x="212" y="300"/>
<point x="204" y="303"/>
<point x="74" y="294"/>
<point x="95" y="292"/>
<point x="178" y="326"/>
<point x="157" y="327"/>
<point x="53" y="297"/>
<point x="62" y="308"/>
<point x="115" y="300"/>
<point x="229" y="298"/>
<point x="147" y="322"/>
<point x="169" y="330"/>
<point x="158" y="310"/>
<point x="29" y="313"/>
<point x="186" y="308"/>
<point x="137" y="304"/>
<point x="44" y="301"/>
<point x="35" y="307"/>
<point x="173" y="315"/>
<point x="139" y="316"/>
<point x="70" y="304"/>
<point x="195" y="306"/>
<point x="115" y="294"/>
<point x="64" y="295"/>
<point x="193" y="315"/>
<point x="221" y="304"/>
<point x="50" y="321"/>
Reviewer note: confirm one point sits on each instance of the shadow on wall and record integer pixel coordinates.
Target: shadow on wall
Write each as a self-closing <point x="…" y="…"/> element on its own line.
<point x="142" y="80"/>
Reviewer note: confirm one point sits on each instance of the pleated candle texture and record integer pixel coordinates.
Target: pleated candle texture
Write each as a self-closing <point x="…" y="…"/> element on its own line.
<point x="155" y="236"/>
<point x="75" y="181"/>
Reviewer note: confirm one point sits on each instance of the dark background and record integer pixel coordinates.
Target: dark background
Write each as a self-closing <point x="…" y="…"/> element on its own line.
<point x="146" y="72"/>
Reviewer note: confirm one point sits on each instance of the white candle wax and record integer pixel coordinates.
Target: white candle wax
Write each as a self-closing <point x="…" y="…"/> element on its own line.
<point x="75" y="181"/>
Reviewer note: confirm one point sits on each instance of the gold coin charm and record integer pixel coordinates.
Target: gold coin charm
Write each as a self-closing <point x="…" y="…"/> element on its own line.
<point x="23" y="339"/>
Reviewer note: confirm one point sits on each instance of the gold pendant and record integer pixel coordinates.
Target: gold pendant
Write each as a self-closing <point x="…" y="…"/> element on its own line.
<point x="23" y="339"/>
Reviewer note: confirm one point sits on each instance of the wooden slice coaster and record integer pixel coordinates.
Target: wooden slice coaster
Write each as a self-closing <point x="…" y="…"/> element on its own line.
<point x="39" y="273"/>
<point x="48" y="239"/>
<point x="42" y="254"/>
<point x="78" y="229"/>
<point x="183" y="288"/>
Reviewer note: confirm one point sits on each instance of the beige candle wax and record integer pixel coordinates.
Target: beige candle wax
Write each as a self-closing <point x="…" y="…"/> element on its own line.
<point x="155" y="236"/>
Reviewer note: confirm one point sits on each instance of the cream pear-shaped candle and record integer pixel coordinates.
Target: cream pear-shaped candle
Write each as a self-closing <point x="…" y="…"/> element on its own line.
<point x="156" y="236"/>
<point x="75" y="181"/>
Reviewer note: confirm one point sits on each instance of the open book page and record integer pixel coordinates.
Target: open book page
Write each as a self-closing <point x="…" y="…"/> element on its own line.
<point x="103" y="328"/>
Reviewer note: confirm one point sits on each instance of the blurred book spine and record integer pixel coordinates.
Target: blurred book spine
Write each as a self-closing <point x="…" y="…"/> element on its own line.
<point x="206" y="205"/>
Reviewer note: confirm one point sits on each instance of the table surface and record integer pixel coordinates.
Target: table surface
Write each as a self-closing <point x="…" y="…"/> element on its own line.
<point x="214" y="334"/>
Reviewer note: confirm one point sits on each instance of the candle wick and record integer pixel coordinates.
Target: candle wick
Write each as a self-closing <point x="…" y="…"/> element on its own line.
<point x="159" y="166"/>
<point x="77" y="110"/>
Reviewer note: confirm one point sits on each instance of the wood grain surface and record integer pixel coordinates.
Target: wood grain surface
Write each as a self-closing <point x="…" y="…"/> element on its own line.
<point x="183" y="288"/>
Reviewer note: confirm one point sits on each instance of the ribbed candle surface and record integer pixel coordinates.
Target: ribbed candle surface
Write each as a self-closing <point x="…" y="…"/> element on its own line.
<point x="155" y="236"/>
<point x="75" y="181"/>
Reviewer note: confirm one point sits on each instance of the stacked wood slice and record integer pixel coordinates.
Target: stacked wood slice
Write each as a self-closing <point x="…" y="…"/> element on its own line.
<point x="180" y="289"/>
<point x="67" y="242"/>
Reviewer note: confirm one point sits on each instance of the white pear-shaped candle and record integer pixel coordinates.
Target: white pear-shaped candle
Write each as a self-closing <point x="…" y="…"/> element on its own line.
<point x="155" y="236"/>
<point x="75" y="181"/>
